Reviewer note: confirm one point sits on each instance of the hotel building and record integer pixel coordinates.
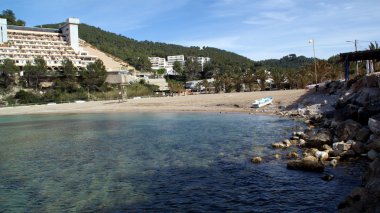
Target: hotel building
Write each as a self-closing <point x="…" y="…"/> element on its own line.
<point x="24" y="44"/>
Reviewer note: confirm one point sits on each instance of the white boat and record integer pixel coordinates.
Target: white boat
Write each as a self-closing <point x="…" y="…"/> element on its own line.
<point x="262" y="102"/>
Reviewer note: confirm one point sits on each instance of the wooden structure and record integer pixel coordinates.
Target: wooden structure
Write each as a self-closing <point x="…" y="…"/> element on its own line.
<point x="346" y="58"/>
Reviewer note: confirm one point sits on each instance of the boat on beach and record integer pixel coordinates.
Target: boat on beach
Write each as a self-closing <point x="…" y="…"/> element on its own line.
<point x="262" y="102"/>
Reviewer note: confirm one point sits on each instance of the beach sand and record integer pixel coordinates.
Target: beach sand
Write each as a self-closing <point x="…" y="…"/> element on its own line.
<point x="224" y="102"/>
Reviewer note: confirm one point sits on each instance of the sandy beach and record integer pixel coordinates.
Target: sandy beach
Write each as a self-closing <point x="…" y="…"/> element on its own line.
<point x="224" y="102"/>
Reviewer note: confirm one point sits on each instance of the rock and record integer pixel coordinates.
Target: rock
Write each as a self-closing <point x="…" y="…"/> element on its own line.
<point x="310" y="152"/>
<point x="363" y="115"/>
<point x="333" y="162"/>
<point x="341" y="146"/>
<point x="287" y="142"/>
<point x="374" y="124"/>
<point x="322" y="156"/>
<point x="347" y="130"/>
<point x="278" y="145"/>
<point x="326" y="147"/>
<point x="295" y="138"/>
<point x="256" y="160"/>
<point x="277" y="156"/>
<point x="372" y="154"/>
<point x="302" y="142"/>
<point x="305" y="165"/>
<point x="322" y="137"/>
<point x="373" y="143"/>
<point x="358" y="147"/>
<point x="363" y="134"/>
<point x="347" y="154"/>
<point x="310" y="158"/>
<point x="327" y="177"/>
<point x="371" y="81"/>
<point x="350" y="111"/>
<point x="293" y="154"/>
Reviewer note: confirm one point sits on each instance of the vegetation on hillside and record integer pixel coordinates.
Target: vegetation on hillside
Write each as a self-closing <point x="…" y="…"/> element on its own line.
<point x="11" y="18"/>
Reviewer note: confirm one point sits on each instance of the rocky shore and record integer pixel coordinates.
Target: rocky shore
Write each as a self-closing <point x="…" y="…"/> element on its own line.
<point x="343" y="121"/>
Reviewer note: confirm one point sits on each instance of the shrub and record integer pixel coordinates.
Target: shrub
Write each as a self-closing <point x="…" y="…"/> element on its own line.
<point x="24" y="97"/>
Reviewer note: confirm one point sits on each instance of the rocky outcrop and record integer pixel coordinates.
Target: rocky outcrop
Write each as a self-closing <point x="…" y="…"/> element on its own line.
<point x="351" y="126"/>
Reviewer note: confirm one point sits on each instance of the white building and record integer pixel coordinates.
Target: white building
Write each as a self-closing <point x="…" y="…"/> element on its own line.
<point x="24" y="44"/>
<point x="174" y="58"/>
<point x="158" y="63"/>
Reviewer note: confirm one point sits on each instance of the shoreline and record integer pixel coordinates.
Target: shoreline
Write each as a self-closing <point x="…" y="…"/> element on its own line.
<point x="219" y="103"/>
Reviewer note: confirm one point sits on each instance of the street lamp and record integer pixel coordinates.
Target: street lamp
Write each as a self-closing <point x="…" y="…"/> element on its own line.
<point x="356" y="49"/>
<point x="315" y="60"/>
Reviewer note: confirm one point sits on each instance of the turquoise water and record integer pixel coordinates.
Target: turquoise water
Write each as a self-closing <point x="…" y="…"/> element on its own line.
<point x="167" y="162"/>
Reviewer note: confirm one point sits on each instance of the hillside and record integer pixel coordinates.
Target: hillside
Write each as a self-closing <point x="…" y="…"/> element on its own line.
<point x="136" y="52"/>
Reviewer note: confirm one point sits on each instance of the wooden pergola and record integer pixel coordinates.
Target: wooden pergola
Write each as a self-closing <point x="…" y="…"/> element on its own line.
<point x="346" y="58"/>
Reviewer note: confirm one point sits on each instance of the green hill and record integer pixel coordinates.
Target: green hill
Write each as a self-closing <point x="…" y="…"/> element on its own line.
<point x="136" y="52"/>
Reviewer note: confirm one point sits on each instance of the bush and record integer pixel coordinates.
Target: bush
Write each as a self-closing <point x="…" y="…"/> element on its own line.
<point x="24" y="97"/>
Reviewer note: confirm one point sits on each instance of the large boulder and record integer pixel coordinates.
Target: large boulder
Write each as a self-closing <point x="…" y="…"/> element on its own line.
<point x="373" y="143"/>
<point x="347" y="130"/>
<point x="358" y="147"/>
<point x="305" y="165"/>
<point x="323" y="136"/>
<point x="374" y="124"/>
<point x="363" y="134"/>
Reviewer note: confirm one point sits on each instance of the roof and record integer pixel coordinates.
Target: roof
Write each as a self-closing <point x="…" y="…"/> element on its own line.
<point x="360" y="55"/>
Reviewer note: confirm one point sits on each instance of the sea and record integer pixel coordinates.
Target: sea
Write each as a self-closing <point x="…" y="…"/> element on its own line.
<point x="159" y="162"/>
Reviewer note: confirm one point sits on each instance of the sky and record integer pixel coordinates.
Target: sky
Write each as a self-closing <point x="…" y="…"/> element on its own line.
<point x="257" y="29"/>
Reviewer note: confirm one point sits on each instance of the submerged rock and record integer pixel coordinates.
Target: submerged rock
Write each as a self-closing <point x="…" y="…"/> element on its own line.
<point x="305" y="165"/>
<point x="293" y="155"/>
<point x="327" y="177"/>
<point x="256" y="160"/>
<point x="333" y="162"/>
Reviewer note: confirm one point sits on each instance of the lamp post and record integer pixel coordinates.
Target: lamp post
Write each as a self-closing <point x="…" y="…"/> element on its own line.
<point x="356" y="49"/>
<point x="315" y="60"/>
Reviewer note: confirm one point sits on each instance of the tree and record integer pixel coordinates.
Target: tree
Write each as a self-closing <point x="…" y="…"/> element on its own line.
<point x="261" y="75"/>
<point x="177" y="67"/>
<point x="69" y="74"/>
<point x="160" y="72"/>
<point x="94" y="75"/>
<point x="192" y="68"/>
<point x="38" y="71"/>
<point x="28" y="70"/>
<point x="11" y="18"/>
<point x="249" y="79"/>
<point x="278" y="77"/>
<point x="143" y="64"/>
<point x="8" y="70"/>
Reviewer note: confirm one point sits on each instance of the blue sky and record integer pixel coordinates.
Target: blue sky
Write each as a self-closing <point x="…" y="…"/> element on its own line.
<point x="257" y="29"/>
